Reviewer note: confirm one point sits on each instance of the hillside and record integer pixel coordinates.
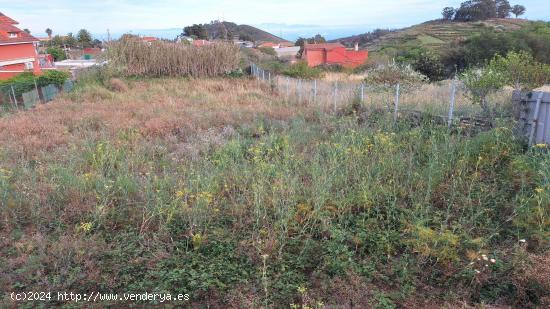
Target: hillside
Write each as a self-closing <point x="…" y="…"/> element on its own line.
<point x="244" y="32"/>
<point x="432" y="34"/>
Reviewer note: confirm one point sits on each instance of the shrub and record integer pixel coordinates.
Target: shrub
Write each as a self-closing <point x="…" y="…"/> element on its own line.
<point x="20" y="83"/>
<point x="520" y="70"/>
<point x="55" y="77"/>
<point x="482" y="82"/>
<point x="268" y="50"/>
<point x="302" y="70"/>
<point x="57" y="53"/>
<point x="117" y="85"/>
<point x="394" y="73"/>
<point x="426" y="62"/>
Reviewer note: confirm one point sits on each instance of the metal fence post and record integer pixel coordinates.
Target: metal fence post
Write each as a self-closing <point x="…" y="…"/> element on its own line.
<point x="14" y="97"/>
<point x="36" y="89"/>
<point x="314" y="90"/>
<point x="396" y="107"/>
<point x="288" y="88"/>
<point x="452" y="105"/>
<point x="334" y="99"/>
<point x="299" y="90"/>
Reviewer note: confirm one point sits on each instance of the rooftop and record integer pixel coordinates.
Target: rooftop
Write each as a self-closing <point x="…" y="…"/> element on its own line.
<point x="6" y="20"/>
<point x="327" y="46"/>
<point x="7" y="26"/>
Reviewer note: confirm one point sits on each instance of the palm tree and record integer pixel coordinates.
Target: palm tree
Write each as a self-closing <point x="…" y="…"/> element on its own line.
<point x="49" y="32"/>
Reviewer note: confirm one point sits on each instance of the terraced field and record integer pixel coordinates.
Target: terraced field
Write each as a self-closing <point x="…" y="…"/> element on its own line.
<point x="436" y="34"/>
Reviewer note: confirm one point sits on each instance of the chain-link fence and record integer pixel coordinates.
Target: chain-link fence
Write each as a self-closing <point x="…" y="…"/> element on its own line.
<point x="446" y="100"/>
<point x="15" y="97"/>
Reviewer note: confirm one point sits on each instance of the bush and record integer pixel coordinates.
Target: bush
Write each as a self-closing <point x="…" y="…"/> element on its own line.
<point x="394" y="73"/>
<point x="268" y="50"/>
<point x="521" y="71"/>
<point x="117" y="85"/>
<point x="54" y="77"/>
<point x="20" y="83"/>
<point x="302" y="70"/>
<point x="57" y="53"/>
<point x="480" y="83"/>
<point x="424" y="61"/>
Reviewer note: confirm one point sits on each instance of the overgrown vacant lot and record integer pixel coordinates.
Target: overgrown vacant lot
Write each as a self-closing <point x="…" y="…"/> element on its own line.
<point x="218" y="189"/>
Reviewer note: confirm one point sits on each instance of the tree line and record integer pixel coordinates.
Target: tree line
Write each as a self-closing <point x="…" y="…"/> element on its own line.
<point x="476" y="10"/>
<point x="57" y="43"/>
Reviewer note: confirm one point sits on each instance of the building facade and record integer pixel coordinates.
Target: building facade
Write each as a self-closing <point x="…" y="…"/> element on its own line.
<point x="333" y="54"/>
<point x="18" y="52"/>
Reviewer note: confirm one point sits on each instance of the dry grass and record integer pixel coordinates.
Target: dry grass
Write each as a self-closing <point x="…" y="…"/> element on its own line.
<point x="134" y="58"/>
<point x="156" y="109"/>
<point x="343" y="77"/>
<point x="433" y="97"/>
<point x="115" y="84"/>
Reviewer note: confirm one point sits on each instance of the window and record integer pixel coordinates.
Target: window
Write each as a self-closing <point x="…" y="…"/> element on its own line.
<point x="13" y="35"/>
<point x="29" y="65"/>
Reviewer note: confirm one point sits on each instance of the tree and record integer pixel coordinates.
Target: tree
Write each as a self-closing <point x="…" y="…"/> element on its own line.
<point x="474" y="10"/>
<point x="57" y="41"/>
<point x="97" y="43"/>
<point x="503" y="8"/>
<point x="482" y="82"/>
<point x="448" y="13"/>
<point x="57" y="53"/>
<point x="426" y="62"/>
<point x="520" y="70"/>
<point x="70" y="40"/>
<point x="518" y="10"/>
<point x="196" y="31"/>
<point x="27" y="31"/>
<point x="84" y="38"/>
<point x="313" y="40"/>
<point x="49" y="32"/>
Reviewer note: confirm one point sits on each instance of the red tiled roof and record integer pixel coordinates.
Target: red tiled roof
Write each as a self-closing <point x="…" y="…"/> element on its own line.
<point x="327" y="46"/>
<point x="268" y="44"/>
<point x="6" y="20"/>
<point x="199" y="43"/>
<point x="149" y="39"/>
<point x="22" y="36"/>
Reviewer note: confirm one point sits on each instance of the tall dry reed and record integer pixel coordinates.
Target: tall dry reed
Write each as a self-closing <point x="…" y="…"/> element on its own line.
<point x="132" y="57"/>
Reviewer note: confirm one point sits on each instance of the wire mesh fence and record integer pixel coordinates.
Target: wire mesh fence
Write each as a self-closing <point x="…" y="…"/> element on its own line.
<point x="12" y="97"/>
<point x="447" y="100"/>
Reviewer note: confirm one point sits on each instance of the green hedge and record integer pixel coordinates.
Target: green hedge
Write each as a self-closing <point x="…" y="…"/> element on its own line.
<point x="26" y="81"/>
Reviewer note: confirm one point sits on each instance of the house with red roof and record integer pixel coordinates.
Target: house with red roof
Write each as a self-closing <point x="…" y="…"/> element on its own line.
<point x="17" y="50"/>
<point x="149" y="39"/>
<point x="333" y="54"/>
<point x="269" y="45"/>
<point x="199" y="43"/>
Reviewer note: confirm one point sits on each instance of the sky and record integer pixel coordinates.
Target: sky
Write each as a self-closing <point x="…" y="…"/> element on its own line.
<point x="287" y="18"/>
